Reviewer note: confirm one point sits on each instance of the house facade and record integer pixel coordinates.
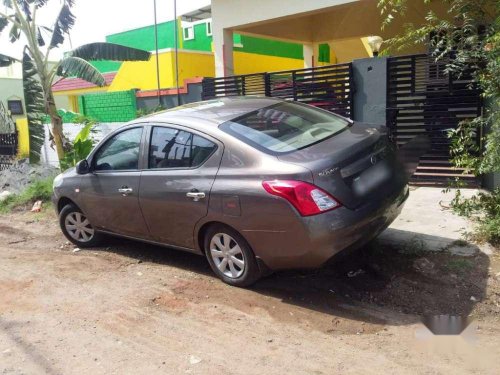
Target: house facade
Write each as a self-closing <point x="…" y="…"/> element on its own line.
<point x="195" y="60"/>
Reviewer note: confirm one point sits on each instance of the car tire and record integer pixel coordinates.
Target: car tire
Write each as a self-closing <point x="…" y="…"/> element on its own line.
<point x="230" y="256"/>
<point x="77" y="228"/>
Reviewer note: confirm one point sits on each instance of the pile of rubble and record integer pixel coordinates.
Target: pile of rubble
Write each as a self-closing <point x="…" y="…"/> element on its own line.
<point x="20" y="174"/>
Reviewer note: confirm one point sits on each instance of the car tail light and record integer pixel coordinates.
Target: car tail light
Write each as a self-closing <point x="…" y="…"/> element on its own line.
<point x="306" y="198"/>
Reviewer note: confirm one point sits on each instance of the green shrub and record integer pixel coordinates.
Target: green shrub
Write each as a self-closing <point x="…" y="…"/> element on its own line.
<point x="484" y="210"/>
<point x="40" y="190"/>
<point x="82" y="145"/>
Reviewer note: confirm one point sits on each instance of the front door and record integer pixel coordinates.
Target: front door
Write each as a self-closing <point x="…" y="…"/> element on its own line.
<point x="110" y="194"/>
<point x="175" y="187"/>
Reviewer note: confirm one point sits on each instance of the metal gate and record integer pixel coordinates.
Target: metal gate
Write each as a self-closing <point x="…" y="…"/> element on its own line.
<point x="423" y="99"/>
<point x="328" y="87"/>
<point x="8" y="139"/>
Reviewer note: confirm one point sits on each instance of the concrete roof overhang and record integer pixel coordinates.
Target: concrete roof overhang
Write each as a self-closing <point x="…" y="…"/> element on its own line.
<point x="349" y="20"/>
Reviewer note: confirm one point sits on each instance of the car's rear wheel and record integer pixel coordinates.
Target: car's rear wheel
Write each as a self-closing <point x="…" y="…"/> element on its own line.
<point x="77" y="228"/>
<point x="230" y="256"/>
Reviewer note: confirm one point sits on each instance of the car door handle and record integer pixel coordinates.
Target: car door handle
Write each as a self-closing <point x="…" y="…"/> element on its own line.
<point x="196" y="195"/>
<point x="125" y="191"/>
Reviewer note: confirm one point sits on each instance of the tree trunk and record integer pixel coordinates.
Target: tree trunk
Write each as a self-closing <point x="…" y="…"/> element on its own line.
<point x="56" y="126"/>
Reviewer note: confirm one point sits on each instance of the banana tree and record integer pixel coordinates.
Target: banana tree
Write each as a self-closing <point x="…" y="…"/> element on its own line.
<point x="39" y="73"/>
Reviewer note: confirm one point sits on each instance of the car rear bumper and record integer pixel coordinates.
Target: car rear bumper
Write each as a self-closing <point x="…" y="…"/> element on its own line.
<point x="323" y="236"/>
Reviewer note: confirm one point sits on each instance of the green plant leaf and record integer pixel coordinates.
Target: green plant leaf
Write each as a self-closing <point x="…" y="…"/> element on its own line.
<point x="39" y="37"/>
<point x="110" y="51"/>
<point x="14" y="34"/>
<point x="65" y="21"/>
<point x="84" y="134"/>
<point x="3" y="23"/>
<point x="38" y="3"/>
<point x="75" y="66"/>
<point x="34" y="99"/>
<point x="25" y="7"/>
<point x="6" y="60"/>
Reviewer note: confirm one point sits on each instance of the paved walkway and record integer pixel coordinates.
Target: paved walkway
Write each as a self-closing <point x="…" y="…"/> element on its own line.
<point x="427" y="223"/>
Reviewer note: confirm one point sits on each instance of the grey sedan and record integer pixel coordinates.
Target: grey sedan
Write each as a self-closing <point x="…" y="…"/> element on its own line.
<point x="254" y="184"/>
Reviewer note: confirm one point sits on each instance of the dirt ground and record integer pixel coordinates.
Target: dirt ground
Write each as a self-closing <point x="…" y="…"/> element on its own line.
<point x="132" y="308"/>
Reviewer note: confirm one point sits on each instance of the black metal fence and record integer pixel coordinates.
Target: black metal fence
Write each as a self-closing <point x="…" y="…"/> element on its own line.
<point x="8" y="149"/>
<point x="329" y="87"/>
<point x="8" y="138"/>
<point x="423" y="98"/>
<point x="8" y="144"/>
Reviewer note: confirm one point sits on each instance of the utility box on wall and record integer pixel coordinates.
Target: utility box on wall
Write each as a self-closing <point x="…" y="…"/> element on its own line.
<point x="119" y="106"/>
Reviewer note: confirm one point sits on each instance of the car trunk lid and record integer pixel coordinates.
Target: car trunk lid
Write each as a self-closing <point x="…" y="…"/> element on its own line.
<point x="354" y="166"/>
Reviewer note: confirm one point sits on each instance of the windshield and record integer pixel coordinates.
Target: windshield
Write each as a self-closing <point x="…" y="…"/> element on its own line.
<point x="285" y="127"/>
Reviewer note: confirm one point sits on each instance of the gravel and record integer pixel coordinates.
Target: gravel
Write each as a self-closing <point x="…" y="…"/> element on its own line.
<point x="21" y="174"/>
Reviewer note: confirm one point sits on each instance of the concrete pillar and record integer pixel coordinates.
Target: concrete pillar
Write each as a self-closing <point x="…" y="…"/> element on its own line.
<point x="223" y="52"/>
<point x="308" y="55"/>
<point x="370" y="90"/>
<point x="491" y="181"/>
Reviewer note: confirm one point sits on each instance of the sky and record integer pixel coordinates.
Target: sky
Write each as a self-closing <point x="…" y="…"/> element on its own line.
<point x="97" y="18"/>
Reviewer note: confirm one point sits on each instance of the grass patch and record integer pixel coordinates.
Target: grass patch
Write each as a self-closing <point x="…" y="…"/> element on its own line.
<point x="414" y="246"/>
<point x="459" y="265"/>
<point x="40" y="190"/>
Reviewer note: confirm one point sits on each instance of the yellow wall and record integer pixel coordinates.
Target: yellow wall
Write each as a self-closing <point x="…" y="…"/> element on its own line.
<point x="346" y="50"/>
<point x="246" y="63"/>
<point x="24" y="138"/>
<point x="142" y="74"/>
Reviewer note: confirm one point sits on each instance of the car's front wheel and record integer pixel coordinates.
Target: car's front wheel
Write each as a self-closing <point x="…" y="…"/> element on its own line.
<point x="77" y="228"/>
<point x="230" y="256"/>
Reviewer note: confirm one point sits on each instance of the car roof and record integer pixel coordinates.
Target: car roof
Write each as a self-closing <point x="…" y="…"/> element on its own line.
<point x="215" y="111"/>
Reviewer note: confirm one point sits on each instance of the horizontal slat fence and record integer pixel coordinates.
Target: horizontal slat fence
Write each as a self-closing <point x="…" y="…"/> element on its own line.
<point x="424" y="99"/>
<point x="328" y="87"/>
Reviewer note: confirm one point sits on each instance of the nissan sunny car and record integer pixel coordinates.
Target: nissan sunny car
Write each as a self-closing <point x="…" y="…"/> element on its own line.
<point x="253" y="184"/>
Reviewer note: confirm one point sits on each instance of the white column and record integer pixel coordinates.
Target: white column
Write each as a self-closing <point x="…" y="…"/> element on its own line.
<point x="308" y="55"/>
<point x="223" y="52"/>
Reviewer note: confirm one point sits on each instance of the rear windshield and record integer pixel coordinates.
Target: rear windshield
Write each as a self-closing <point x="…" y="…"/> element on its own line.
<point x="285" y="127"/>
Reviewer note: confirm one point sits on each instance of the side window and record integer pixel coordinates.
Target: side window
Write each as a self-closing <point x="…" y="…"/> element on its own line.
<point x="174" y="148"/>
<point x="201" y="150"/>
<point x="120" y="152"/>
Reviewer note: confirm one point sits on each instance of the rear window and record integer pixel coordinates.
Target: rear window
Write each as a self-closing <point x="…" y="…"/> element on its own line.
<point x="285" y="127"/>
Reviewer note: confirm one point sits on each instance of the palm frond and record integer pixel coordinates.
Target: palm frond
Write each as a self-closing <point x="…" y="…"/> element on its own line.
<point x="14" y="34"/>
<point x="25" y="7"/>
<point x="6" y="60"/>
<point x="7" y="3"/>
<point x="76" y="66"/>
<point x="3" y="23"/>
<point x="38" y="3"/>
<point x="39" y="37"/>
<point x="110" y="51"/>
<point x="65" y="21"/>
<point x="34" y="99"/>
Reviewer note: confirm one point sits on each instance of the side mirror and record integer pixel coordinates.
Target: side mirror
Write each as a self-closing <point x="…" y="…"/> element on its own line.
<point x="82" y="167"/>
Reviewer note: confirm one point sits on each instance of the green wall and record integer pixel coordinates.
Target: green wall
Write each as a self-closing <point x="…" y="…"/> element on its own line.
<point x="270" y="47"/>
<point x="106" y="66"/>
<point x="201" y="41"/>
<point x="117" y="106"/>
<point x="144" y="38"/>
<point x="324" y="53"/>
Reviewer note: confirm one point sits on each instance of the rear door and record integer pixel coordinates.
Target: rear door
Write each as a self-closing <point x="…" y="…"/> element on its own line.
<point x="176" y="184"/>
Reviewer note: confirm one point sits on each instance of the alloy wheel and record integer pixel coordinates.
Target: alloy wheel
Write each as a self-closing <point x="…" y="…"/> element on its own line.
<point x="227" y="255"/>
<point x="78" y="227"/>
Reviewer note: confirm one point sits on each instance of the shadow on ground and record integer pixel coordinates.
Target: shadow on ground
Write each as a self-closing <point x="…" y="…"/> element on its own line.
<point x="379" y="284"/>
